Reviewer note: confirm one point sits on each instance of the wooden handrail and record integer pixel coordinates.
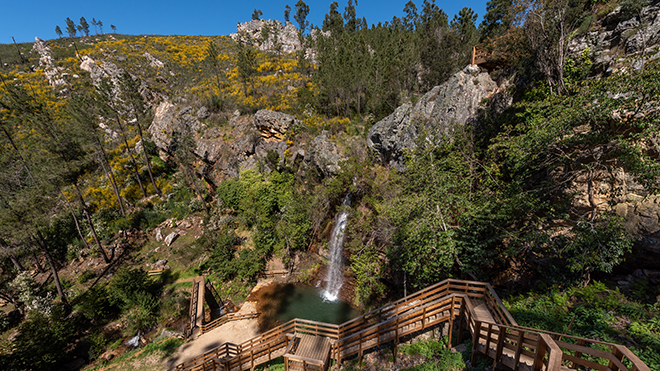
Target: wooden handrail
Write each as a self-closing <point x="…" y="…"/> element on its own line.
<point x="229" y="317"/>
<point x="441" y="302"/>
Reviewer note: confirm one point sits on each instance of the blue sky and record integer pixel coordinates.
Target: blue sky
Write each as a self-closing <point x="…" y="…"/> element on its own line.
<point x="25" y="20"/>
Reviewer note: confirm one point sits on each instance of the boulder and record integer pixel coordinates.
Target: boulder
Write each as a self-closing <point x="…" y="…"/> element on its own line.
<point x="159" y="235"/>
<point x="153" y="61"/>
<point x="456" y="102"/>
<point x="170" y="238"/>
<point x="161" y="264"/>
<point x="273" y="125"/>
<point x="323" y="155"/>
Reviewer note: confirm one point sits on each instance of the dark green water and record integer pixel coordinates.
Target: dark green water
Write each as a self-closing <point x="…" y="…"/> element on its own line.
<point x="284" y="302"/>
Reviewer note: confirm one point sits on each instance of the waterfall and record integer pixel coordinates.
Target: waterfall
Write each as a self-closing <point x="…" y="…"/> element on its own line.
<point x="335" y="276"/>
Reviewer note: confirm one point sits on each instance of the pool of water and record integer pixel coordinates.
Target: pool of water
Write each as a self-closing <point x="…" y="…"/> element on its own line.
<point x="279" y="303"/>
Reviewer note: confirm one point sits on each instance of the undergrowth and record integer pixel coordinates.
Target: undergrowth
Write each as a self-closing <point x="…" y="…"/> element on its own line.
<point x="597" y="312"/>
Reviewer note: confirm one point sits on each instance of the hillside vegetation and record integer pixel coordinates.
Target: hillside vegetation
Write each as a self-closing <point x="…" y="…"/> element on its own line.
<point x="549" y="191"/>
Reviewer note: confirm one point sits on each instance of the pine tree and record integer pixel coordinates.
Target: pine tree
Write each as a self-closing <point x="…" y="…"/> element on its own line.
<point x="71" y="27"/>
<point x="94" y="23"/>
<point x="256" y="14"/>
<point x="130" y="94"/>
<point x="84" y="26"/>
<point x="350" y="17"/>
<point x="246" y="63"/>
<point x="287" y="12"/>
<point x="302" y="10"/>
<point x="333" y="21"/>
<point x="58" y="31"/>
<point x="498" y="19"/>
<point x="114" y="28"/>
<point x="84" y="115"/>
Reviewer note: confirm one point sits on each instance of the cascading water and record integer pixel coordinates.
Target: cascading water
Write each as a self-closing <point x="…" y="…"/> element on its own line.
<point x="335" y="276"/>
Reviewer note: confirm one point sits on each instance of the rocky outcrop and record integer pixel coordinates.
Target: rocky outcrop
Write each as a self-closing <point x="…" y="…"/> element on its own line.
<point x="617" y="36"/>
<point x="53" y="73"/>
<point x="241" y="144"/>
<point x="267" y="35"/>
<point x="104" y="70"/>
<point x="456" y="102"/>
<point x="273" y="125"/>
<point x="170" y="121"/>
<point x="153" y="61"/>
<point x="323" y="155"/>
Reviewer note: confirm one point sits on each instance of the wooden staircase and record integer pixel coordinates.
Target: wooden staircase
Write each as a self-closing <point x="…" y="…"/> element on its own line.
<point x="201" y="292"/>
<point x="463" y="306"/>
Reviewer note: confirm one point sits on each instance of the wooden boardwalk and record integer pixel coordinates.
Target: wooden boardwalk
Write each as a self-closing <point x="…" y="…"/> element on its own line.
<point x="473" y="307"/>
<point x="481" y="311"/>
<point x="308" y="352"/>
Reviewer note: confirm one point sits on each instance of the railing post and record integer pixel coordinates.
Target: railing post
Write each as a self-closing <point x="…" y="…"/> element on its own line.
<point x="451" y="322"/>
<point x="578" y="354"/>
<point x="360" y="349"/>
<point x="541" y="349"/>
<point x="461" y="318"/>
<point x="618" y="355"/>
<point x="475" y="339"/>
<point x="396" y="338"/>
<point x="487" y="348"/>
<point x="519" y="345"/>
<point x="500" y="345"/>
<point x="423" y="317"/>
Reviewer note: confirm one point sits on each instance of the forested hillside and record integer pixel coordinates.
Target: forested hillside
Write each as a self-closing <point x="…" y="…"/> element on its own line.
<point x="536" y="169"/>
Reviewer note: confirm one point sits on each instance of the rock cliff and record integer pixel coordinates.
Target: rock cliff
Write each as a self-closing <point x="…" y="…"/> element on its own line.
<point x="458" y="101"/>
<point x="619" y="34"/>
<point x="268" y="35"/>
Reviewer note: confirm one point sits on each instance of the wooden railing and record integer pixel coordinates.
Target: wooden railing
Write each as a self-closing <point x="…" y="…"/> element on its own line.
<point x="192" y="315"/>
<point x="479" y="56"/>
<point x="229" y="317"/>
<point x="589" y="353"/>
<point x="506" y="343"/>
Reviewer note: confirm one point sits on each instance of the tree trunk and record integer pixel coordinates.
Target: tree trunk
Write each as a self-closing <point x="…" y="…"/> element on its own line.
<point x="56" y="277"/>
<point x="109" y="174"/>
<point x="130" y="153"/>
<point x="75" y="220"/>
<point x="91" y="225"/>
<point x="17" y="264"/>
<point x="146" y="157"/>
<point x="191" y="178"/>
<point x="37" y="264"/>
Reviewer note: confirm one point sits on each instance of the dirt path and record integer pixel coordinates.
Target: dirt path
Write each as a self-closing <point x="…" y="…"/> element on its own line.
<point x="234" y="332"/>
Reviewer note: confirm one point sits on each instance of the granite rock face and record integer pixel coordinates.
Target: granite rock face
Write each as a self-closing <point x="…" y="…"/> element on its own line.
<point x="620" y="36"/>
<point x="170" y="120"/>
<point x="268" y="36"/>
<point x="323" y="155"/>
<point x="456" y="102"/>
<point x="273" y="125"/>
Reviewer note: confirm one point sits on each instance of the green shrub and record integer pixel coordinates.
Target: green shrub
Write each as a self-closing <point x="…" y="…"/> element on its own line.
<point x="141" y="312"/>
<point x="438" y="357"/>
<point x="231" y="192"/>
<point x="127" y="284"/>
<point x="97" y="342"/>
<point x="96" y="305"/>
<point x="167" y="347"/>
<point x="42" y="342"/>
<point x="86" y="276"/>
<point x="426" y="348"/>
